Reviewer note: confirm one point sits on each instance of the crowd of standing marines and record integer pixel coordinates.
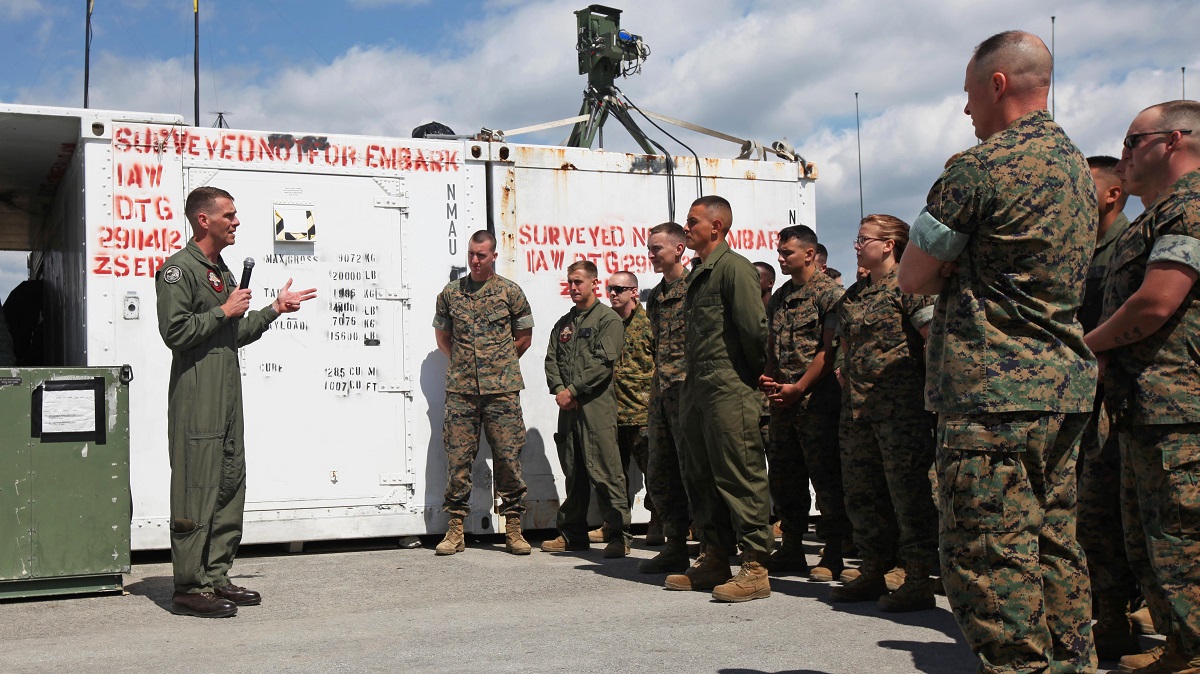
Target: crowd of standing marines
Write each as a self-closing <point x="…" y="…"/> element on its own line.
<point x="1011" y="381"/>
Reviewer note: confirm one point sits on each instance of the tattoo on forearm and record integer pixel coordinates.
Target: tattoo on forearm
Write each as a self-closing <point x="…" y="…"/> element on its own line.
<point x="1132" y="335"/>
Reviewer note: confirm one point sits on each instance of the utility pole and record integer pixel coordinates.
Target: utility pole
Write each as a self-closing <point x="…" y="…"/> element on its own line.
<point x="196" y="58"/>
<point x="1053" y="66"/>
<point x="87" y="51"/>
<point x="858" y="132"/>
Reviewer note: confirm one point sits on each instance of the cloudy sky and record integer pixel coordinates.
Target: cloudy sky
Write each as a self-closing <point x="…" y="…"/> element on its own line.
<point x="764" y="69"/>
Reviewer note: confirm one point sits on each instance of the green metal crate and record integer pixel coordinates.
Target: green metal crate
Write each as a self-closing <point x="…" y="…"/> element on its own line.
<point x="64" y="480"/>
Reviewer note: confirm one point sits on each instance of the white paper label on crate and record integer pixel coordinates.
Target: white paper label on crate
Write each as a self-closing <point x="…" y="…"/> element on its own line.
<point x="69" y="411"/>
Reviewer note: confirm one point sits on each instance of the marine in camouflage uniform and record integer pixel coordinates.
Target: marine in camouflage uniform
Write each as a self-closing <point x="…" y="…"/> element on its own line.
<point x="634" y="371"/>
<point x="1152" y="384"/>
<point x="804" y="436"/>
<point x="483" y="384"/>
<point x="1008" y="372"/>
<point x="664" y="477"/>
<point x="886" y="433"/>
<point x="1099" y="467"/>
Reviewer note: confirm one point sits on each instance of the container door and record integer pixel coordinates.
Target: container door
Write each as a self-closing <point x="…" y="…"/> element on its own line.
<point x="327" y="390"/>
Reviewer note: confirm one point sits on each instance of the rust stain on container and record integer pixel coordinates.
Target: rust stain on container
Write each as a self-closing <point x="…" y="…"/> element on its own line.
<point x="750" y="175"/>
<point x="567" y="166"/>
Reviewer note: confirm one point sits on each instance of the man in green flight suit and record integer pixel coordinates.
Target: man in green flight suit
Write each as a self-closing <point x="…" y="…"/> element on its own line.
<point x="204" y="318"/>
<point x="725" y="470"/>
<point x="584" y="346"/>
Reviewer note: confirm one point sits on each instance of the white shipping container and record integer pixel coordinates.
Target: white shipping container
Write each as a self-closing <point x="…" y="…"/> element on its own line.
<point x="343" y="400"/>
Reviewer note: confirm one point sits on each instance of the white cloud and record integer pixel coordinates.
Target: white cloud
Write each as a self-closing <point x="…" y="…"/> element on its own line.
<point x="370" y="4"/>
<point x="15" y="10"/>
<point x="758" y="69"/>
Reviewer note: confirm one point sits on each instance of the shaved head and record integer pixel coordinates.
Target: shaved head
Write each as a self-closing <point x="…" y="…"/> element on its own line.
<point x="1022" y="57"/>
<point x="623" y="278"/>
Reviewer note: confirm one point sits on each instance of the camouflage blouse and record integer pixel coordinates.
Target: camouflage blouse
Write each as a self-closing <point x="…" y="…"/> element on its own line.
<point x="1017" y="215"/>
<point x="1157" y="380"/>
<point x="483" y="354"/>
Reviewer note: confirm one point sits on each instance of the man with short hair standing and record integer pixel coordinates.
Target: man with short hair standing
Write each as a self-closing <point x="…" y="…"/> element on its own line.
<point x="584" y="347"/>
<point x="1006" y="238"/>
<point x="1150" y="336"/>
<point x="1099" y="467"/>
<point x="483" y="324"/>
<point x="805" y="408"/>
<point x="725" y="468"/>
<point x="664" y="476"/>
<point x="204" y="318"/>
<point x="631" y="380"/>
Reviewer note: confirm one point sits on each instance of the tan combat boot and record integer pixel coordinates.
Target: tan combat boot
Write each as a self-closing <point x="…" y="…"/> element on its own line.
<point x="1112" y="632"/>
<point x="673" y="558"/>
<point x="869" y="585"/>
<point x="1142" y="622"/>
<point x="916" y="594"/>
<point x="751" y="582"/>
<point x="1152" y="660"/>
<point x="514" y="542"/>
<point x="710" y="570"/>
<point x="831" y="564"/>
<point x="454" y="541"/>
<point x="894" y="578"/>
<point x="789" y="558"/>
<point x="600" y="534"/>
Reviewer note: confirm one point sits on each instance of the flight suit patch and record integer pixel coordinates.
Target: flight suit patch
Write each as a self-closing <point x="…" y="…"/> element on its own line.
<point x="566" y="334"/>
<point x="172" y="274"/>
<point x="214" y="280"/>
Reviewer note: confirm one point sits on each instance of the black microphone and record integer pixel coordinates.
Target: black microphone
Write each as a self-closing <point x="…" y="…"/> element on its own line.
<point x="247" y="267"/>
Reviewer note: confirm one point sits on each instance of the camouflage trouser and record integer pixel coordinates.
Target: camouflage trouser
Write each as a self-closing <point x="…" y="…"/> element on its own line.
<point x="804" y="447"/>
<point x="1099" y="510"/>
<point x="1160" y="503"/>
<point x="889" y="501"/>
<point x="1013" y="572"/>
<point x="504" y="426"/>
<point x="664" y="474"/>
<point x="634" y="443"/>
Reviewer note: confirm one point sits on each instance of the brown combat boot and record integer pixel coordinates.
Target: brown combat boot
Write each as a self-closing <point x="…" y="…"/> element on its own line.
<point x="514" y="541"/>
<point x="916" y="594"/>
<point x="654" y="531"/>
<point x="617" y="547"/>
<point x="831" y="564"/>
<point x="710" y="570"/>
<point x="789" y="558"/>
<point x="600" y="534"/>
<point x="869" y="585"/>
<point x="1142" y="622"/>
<point x="1152" y="660"/>
<point x="894" y="578"/>
<point x="751" y="582"/>
<point x="454" y="541"/>
<point x="1112" y="632"/>
<point x="673" y="559"/>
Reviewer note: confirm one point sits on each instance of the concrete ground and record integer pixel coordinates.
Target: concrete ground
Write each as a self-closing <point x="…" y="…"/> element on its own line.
<point x="368" y="606"/>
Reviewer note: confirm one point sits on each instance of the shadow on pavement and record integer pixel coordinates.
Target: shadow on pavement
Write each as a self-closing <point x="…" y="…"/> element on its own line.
<point x="936" y="657"/>
<point x="157" y="589"/>
<point x="759" y="671"/>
